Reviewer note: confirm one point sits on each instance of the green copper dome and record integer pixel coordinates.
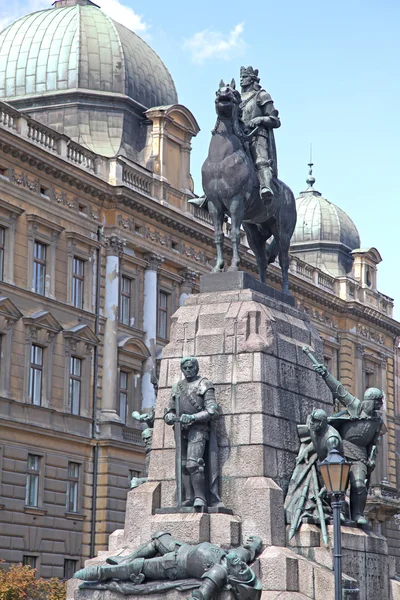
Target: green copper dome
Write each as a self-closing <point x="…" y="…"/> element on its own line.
<point x="80" y="47"/>
<point x="75" y="53"/>
<point x="324" y="235"/>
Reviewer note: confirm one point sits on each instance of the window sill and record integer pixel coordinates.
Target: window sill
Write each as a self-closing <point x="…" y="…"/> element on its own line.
<point x="75" y="516"/>
<point x="35" y="510"/>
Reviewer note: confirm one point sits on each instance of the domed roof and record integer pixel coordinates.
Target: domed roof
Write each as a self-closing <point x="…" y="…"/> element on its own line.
<point x="324" y="235"/>
<point x="76" y="45"/>
<point x="321" y="220"/>
<point x="79" y="46"/>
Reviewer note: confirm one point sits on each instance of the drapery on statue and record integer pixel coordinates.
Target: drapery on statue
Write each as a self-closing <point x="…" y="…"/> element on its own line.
<point x="306" y="497"/>
<point x="171" y="564"/>
<point x="238" y="162"/>
<point x="193" y="411"/>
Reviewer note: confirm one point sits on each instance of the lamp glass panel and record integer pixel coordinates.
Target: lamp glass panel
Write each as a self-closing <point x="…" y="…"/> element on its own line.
<point x="325" y="476"/>
<point x="345" y="476"/>
<point x="335" y="474"/>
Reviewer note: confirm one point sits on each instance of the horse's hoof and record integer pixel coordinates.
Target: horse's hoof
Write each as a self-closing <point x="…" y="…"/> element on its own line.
<point x="218" y="269"/>
<point x="233" y="268"/>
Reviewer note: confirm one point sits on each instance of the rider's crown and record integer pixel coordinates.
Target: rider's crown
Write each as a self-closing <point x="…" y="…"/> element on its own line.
<point x="253" y="73"/>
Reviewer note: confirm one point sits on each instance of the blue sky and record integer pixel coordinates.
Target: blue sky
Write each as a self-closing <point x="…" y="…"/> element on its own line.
<point x="332" y="69"/>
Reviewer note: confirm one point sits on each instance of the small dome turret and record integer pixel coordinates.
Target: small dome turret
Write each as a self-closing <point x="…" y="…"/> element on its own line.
<point x="324" y="236"/>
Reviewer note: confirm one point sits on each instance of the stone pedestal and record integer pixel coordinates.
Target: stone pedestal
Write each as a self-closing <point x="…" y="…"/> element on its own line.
<point x="248" y="340"/>
<point x="365" y="559"/>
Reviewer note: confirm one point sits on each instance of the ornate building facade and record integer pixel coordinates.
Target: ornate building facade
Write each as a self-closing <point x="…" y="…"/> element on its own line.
<point x="98" y="248"/>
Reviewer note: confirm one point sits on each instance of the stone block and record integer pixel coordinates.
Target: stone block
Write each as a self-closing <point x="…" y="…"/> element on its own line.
<point x="116" y="540"/>
<point x="265" y="369"/>
<point x="306" y="577"/>
<point x="72" y="587"/>
<point x="225" y="530"/>
<point x="279" y="569"/>
<point x="261" y="509"/>
<point x="193" y="528"/>
<point x="107" y="595"/>
<point x="324" y="583"/>
<point x="168" y="493"/>
<point x="210" y="342"/>
<point x="308" y="536"/>
<point x="283" y="596"/>
<point x="287" y="348"/>
<point x="140" y="505"/>
<point x="394" y="589"/>
<point x="162" y="464"/>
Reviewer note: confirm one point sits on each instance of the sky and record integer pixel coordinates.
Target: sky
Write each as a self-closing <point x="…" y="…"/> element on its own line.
<point x="332" y="70"/>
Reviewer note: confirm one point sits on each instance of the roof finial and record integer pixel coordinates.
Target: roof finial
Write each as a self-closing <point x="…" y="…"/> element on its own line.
<point x="311" y="179"/>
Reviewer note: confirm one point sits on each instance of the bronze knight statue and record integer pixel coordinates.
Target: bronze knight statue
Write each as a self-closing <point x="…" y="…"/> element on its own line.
<point x="260" y="116"/>
<point x="171" y="564"/>
<point x="193" y="411"/>
<point x="360" y="427"/>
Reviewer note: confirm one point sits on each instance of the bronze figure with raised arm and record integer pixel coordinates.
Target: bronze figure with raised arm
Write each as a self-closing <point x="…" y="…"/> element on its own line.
<point x="360" y="426"/>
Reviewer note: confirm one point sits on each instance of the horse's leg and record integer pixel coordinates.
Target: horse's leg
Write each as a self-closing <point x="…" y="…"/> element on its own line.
<point x="236" y="209"/>
<point x="217" y="216"/>
<point x="283" y="243"/>
<point x="256" y="239"/>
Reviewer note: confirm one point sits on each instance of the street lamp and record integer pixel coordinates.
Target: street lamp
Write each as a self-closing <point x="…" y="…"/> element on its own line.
<point x="335" y="473"/>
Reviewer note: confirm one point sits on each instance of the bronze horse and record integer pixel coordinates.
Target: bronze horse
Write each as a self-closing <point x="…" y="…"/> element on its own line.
<point x="231" y="185"/>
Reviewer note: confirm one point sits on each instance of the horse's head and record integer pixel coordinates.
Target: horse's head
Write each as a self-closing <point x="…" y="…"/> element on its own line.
<point x="227" y="101"/>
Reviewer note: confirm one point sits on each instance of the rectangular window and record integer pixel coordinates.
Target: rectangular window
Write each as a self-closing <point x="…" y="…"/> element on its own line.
<point x="29" y="561"/>
<point x="36" y="375"/>
<point x="125" y="300"/>
<point x="2" y="244"/>
<point x="72" y="487"/>
<point x="75" y="381"/>
<point x="70" y="567"/>
<point x="162" y="314"/>
<point x="39" y="268"/>
<point x="32" y="481"/>
<point x="77" y="282"/>
<point x="123" y="395"/>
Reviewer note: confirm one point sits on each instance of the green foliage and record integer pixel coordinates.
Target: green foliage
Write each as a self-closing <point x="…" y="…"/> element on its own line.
<point x="20" y="583"/>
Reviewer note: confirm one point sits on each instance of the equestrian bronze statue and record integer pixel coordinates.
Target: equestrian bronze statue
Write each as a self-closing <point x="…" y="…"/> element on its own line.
<point x="240" y="178"/>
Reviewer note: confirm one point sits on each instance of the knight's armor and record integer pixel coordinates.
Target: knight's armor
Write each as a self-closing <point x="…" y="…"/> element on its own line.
<point x="165" y="558"/>
<point x="360" y="432"/>
<point x="258" y="103"/>
<point x="194" y="398"/>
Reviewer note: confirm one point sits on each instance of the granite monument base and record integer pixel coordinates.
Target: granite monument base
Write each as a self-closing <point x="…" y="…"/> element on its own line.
<point x="248" y="341"/>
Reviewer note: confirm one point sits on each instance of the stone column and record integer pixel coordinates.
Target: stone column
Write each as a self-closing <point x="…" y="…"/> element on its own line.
<point x="189" y="278"/>
<point x="154" y="262"/>
<point x="359" y="371"/>
<point x="114" y="247"/>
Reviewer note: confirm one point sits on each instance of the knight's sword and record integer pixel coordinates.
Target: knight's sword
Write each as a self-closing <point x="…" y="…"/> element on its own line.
<point x="178" y="451"/>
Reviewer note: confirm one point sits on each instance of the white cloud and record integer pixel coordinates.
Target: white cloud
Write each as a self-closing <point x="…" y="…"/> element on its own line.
<point x="115" y="9"/>
<point x="208" y="44"/>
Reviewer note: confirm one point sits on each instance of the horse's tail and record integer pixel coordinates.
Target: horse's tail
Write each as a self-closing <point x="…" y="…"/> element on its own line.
<point x="272" y="251"/>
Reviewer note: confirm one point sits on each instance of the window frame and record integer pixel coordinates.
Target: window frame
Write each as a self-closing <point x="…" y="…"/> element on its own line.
<point x="123" y="391"/>
<point x="124" y="295"/>
<point x="72" y="377"/>
<point x="36" y="368"/>
<point x="73" y="486"/>
<point x="163" y="311"/>
<point x="68" y="575"/>
<point x="78" y="280"/>
<point x="26" y="558"/>
<point x="39" y="263"/>
<point x="33" y="474"/>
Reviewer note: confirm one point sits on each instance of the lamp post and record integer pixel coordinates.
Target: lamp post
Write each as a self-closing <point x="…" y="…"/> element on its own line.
<point x="335" y="473"/>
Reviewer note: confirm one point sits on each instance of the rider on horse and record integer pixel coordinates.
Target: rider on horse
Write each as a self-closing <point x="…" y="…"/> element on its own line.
<point x="259" y="113"/>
